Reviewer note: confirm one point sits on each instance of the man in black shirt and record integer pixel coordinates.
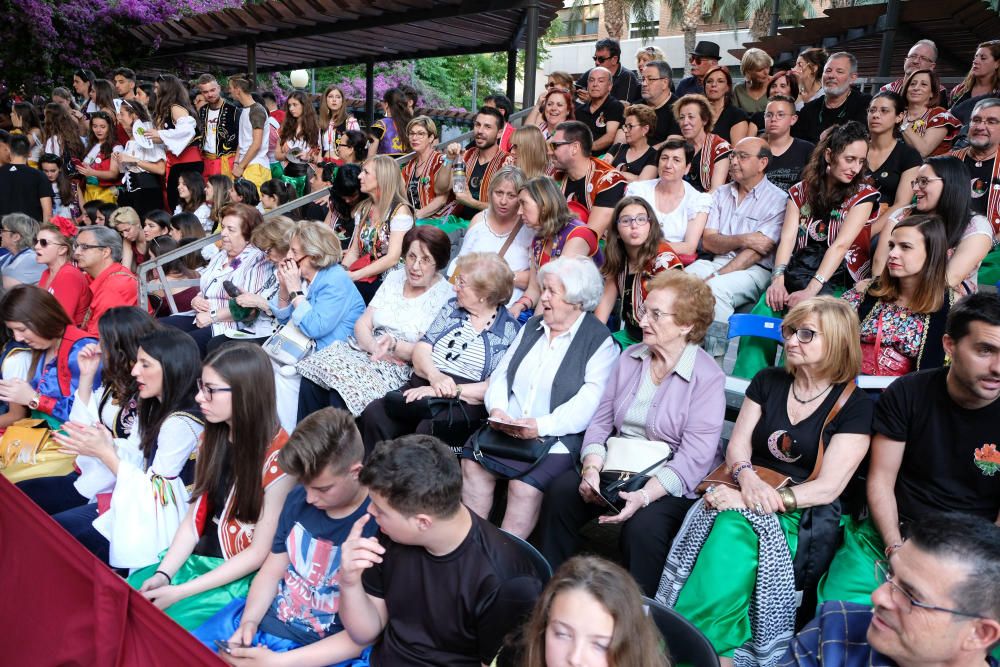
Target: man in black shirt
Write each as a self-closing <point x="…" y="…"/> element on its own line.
<point x="656" y="93"/>
<point x="624" y="82"/>
<point x="23" y="189"/>
<point x="934" y="448"/>
<point x="788" y="154"/>
<point x="840" y="102"/>
<point x="704" y="58"/>
<point x="602" y="114"/>
<point x="438" y="585"/>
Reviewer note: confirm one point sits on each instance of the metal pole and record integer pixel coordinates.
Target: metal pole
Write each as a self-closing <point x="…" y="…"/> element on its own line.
<point x="512" y="73"/>
<point x="530" y="53"/>
<point x="252" y="61"/>
<point x="475" y="88"/>
<point x="370" y="92"/>
<point x="888" y="37"/>
<point x="312" y="78"/>
<point x="775" y="11"/>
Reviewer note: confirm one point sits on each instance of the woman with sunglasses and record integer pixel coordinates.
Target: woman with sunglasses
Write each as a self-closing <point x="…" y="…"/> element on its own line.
<point x="941" y="188"/>
<point x="825" y="243"/>
<point x="98" y="165"/>
<point x="420" y="172"/>
<point x="142" y="164"/>
<point x="238" y="494"/>
<point x="635" y="159"/>
<point x="54" y="250"/>
<point x="789" y="424"/>
<point x="634" y="254"/>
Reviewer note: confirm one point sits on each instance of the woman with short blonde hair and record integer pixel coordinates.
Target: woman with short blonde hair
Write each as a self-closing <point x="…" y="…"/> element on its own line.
<point x="751" y="95"/>
<point x="648" y="54"/>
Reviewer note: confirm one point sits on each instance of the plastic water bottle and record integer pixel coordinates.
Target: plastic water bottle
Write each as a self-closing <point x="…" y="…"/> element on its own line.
<point x="459" y="184"/>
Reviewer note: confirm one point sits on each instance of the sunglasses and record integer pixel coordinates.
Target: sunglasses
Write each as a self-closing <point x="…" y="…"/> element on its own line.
<point x="556" y="144"/>
<point x="45" y="243"/>
<point x="600" y="60"/>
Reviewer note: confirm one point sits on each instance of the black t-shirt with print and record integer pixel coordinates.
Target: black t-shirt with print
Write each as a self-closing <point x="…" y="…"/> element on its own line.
<point x="886" y="176"/>
<point x="611" y="110"/>
<point x="981" y="177"/>
<point x="792" y="448"/>
<point x="476" y="178"/>
<point x="619" y="155"/>
<point x="785" y="170"/>
<point x="950" y="458"/>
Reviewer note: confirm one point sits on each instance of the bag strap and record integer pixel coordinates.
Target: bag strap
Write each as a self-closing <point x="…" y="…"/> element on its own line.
<point x="510" y="238"/>
<point x="834" y="411"/>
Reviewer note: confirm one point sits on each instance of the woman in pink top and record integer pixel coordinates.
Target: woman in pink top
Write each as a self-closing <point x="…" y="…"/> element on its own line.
<point x="53" y="248"/>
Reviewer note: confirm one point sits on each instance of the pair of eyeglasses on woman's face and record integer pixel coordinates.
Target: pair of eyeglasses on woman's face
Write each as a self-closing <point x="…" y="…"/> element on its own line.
<point x="633" y="220"/>
<point x="210" y="392"/>
<point x="803" y="335"/>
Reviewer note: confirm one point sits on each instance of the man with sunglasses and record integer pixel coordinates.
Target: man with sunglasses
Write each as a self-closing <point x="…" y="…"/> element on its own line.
<point x="937" y="603"/>
<point x="933" y="450"/>
<point x="624" y="82"/>
<point x="589" y="184"/>
<point x="704" y="57"/>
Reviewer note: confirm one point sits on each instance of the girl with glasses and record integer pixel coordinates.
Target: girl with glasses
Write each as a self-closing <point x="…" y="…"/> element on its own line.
<point x="54" y="249"/>
<point x="238" y="494"/>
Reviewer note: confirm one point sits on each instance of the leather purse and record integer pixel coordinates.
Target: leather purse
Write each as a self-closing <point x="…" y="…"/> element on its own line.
<point x="288" y="345"/>
<point x="722" y="475"/>
<point x="488" y="441"/>
<point x="886" y="361"/>
<point x="23" y="441"/>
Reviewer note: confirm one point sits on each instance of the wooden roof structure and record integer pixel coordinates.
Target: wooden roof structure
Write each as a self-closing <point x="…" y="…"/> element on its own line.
<point x="956" y="26"/>
<point x="281" y="35"/>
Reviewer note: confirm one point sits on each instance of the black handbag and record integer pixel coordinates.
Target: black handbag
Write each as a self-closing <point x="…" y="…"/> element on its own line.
<point x="803" y="266"/>
<point x="427" y="408"/>
<point x="612" y="484"/>
<point x="488" y="441"/>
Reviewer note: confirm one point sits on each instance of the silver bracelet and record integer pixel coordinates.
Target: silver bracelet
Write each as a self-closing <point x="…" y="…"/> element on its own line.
<point x="645" y="497"/>
<point x="778" y="270"/>
<point x="818" y="278"/>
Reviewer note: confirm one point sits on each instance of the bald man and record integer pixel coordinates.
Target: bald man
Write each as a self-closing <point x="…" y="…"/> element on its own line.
<point x="744" y="225"/>
<point x="603" y="114"/>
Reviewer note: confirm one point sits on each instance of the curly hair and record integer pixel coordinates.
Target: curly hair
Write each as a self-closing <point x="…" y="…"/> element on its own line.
<point x="823" y="192"/>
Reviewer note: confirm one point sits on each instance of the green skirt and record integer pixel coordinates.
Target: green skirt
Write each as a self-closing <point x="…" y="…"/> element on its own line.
<point x="716" y="596"/>
<point x="192" y="611"/>
<point x="851" y="576"/>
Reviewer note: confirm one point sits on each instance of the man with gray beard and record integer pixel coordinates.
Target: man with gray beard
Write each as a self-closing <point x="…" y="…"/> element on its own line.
<point x="839" y="103"/>
<point x="980" y="156"/>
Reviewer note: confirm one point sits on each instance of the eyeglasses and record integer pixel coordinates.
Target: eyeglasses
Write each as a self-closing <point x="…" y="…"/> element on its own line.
<point x="922" y="181"/>
<point x="210" y="392"/>
<point x="743" y="155"/>
<point x="45" y="243"/>
<point x="556" y="144"/>
<point x="906" y="602"/>
<point x="633" y="221"/>
<point x="915" y="56"/>
<point x="780" y="115"/>
<point x="979" y="120"/>
<point x="417" y="133"/>
<point x="419" y="261"/>
<point x="630" y="126"/>
<point x="657" y="315"/>
<point x="804" y="335"/>
<point x="88" y="246"/>
<point x="600" y="60"/>
<point x="651" y="79"/>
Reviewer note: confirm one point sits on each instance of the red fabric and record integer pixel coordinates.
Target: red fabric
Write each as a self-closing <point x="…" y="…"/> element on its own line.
<point x="115" y="286"/>
<point x="62" y="606"/>
<point x="70" y="289"/>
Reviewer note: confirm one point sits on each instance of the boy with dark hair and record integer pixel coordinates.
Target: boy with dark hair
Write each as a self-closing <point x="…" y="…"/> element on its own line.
<point x="24" y="189"/>
<point x="439" y="585"/>
<point x="294" y="602"/>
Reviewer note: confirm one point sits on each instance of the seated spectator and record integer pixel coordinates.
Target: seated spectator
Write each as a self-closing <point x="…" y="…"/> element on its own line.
<point x="66" y="199"/>
<point x="601" y="113"/>
<point x="530" y="152"/>
<point x="665" y="391"/>
<point x="191" y="199"/>
<point x="54" y="250"/>
<point x="903" y="311"/>
<point x="939" y="189"/>
<point x="681" y="209"/>
<point x="36" y="319"/>
<point x="345" y="194"/>
<point x="125" y="220"/>
<point x="635" y="159"/>
<point x="704" y="57"/>
<point x="20" y="265"/>
<point x="141" y="167"/>
<point x="556" y="108"/>
<point x="380" y="222"/>
<point x="352" y="147"/>
<point x="438" y="585"/>
<point x="710" y="168"/>
<point x="481" y="162"/>
<point x="114" y="405"/>
<point x="24" y="189"/>
<point x="644" y="56"/>
<point x="502" y="104"/>
<point x="453" y="360"/>
<point x="927" y="127"/>
<point x="292" y="606"/>
<point x="556" y="80"/>
<point x="558" y="233"/>
<point x="635" y="253"/>
<point x="841" y="101"/>
<point x="186" y="226"/>
<point x="217" y="189"/>
<point x="656" y="93"/>
<point x="325" y="312"/>
<point x="177" y="269"/>
<point x="624" y="83"/>
<point x="377" y="359"/>
<point x="824" y="244"/>
<point x="547" y="386"/>
<point x="804" y="422"/>
<point x="892" y="163"/>
<point x="983" y="77"/>
<point x="277" y="192"/>
<point x="420" y="173"/>
<point x="591" y="612"/>
<point x="105" y="211"/>
<point x="911" y="476"/>
<point x="592" y="185"/>
<point x="789" y="154"/>
<point x="932" y="600"/>
<point x="238" y="494"/>
<point x="729" y="122"/>
<point x="155" y="223"/>
<point x="388" y="133"/>
<point x="151" y="466"/>
<point x="922" y="55"/>
<point x="751" y="96"/>
<point x="500" y="228"/>
<point x="98" y="167"/>
<point x="240" y="263"/>
<point x="743" y="228"/>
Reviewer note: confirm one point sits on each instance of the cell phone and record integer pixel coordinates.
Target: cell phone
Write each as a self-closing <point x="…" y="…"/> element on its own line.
<point x="578" y="86"/>
<point x="600" y="495"/>
<point x="232" y="290"/>
<point x="223" y="645"/>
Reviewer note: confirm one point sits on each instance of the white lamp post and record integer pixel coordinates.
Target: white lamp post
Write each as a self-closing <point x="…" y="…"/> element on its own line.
<point x="299" y="78"/>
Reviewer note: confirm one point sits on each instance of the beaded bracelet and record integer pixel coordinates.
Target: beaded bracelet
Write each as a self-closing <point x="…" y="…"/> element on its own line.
<point x="738" y="468"/>
<point x="170" y="579"/>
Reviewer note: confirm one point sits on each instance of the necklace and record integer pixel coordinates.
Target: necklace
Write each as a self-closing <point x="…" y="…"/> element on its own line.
<point x="979" y="163"/>
<point x="808" y="400"/>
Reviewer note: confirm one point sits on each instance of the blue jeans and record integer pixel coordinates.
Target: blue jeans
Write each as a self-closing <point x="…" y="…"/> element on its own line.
<point x="79" y="522"/>
<point x="53" y="494"/>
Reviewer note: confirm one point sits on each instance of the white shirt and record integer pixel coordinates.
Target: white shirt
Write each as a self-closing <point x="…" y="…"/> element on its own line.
<point x="482" y="238"/>
<point x="407" y="318"/>
<point x="211" y="130"/>
<point x="531" y="390"/>
<point x="673" y="223"/>
<point x="246" y="138"/>
<point x="202" y="213"/>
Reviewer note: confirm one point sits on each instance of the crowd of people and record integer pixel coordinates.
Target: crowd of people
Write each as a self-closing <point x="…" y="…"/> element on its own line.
<point x="329" y="436"/>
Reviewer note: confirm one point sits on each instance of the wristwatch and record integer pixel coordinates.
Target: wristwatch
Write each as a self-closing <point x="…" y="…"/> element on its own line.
<point x="212" y="313"/>
<point x="33" y="403"/>
<point x="294" y="295"/>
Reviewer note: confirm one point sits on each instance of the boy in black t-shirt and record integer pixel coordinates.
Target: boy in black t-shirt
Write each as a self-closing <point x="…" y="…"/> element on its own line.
<point x="439" y="586"/>
<point x="294" y="602"/>
<point x="934" y="449"/>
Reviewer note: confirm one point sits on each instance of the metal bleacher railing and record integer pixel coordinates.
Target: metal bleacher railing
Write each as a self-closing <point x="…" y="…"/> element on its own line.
<point x="154" y="267"/>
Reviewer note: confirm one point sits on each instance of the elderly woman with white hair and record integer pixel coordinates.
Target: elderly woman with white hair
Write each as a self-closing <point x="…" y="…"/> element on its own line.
<point x="542" y="396"/>
<point x="17" y="237"/>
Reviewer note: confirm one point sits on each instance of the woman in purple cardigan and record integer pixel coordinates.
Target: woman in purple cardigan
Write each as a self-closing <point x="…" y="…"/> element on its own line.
<point x="664" y="391"/>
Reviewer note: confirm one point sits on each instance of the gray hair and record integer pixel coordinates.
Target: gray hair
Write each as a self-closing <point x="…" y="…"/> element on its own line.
<point x="579" y="277"/>
<point x="509" y="173"/>
<point x="662" y="68"/>
<point x="844" y="54"/>
<point x="929" y="44"/>
<point x="755" y="58"/>
<point x="23" y="225"/>
<point x="107" y="238"/>
<point x="981" y="105"/>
